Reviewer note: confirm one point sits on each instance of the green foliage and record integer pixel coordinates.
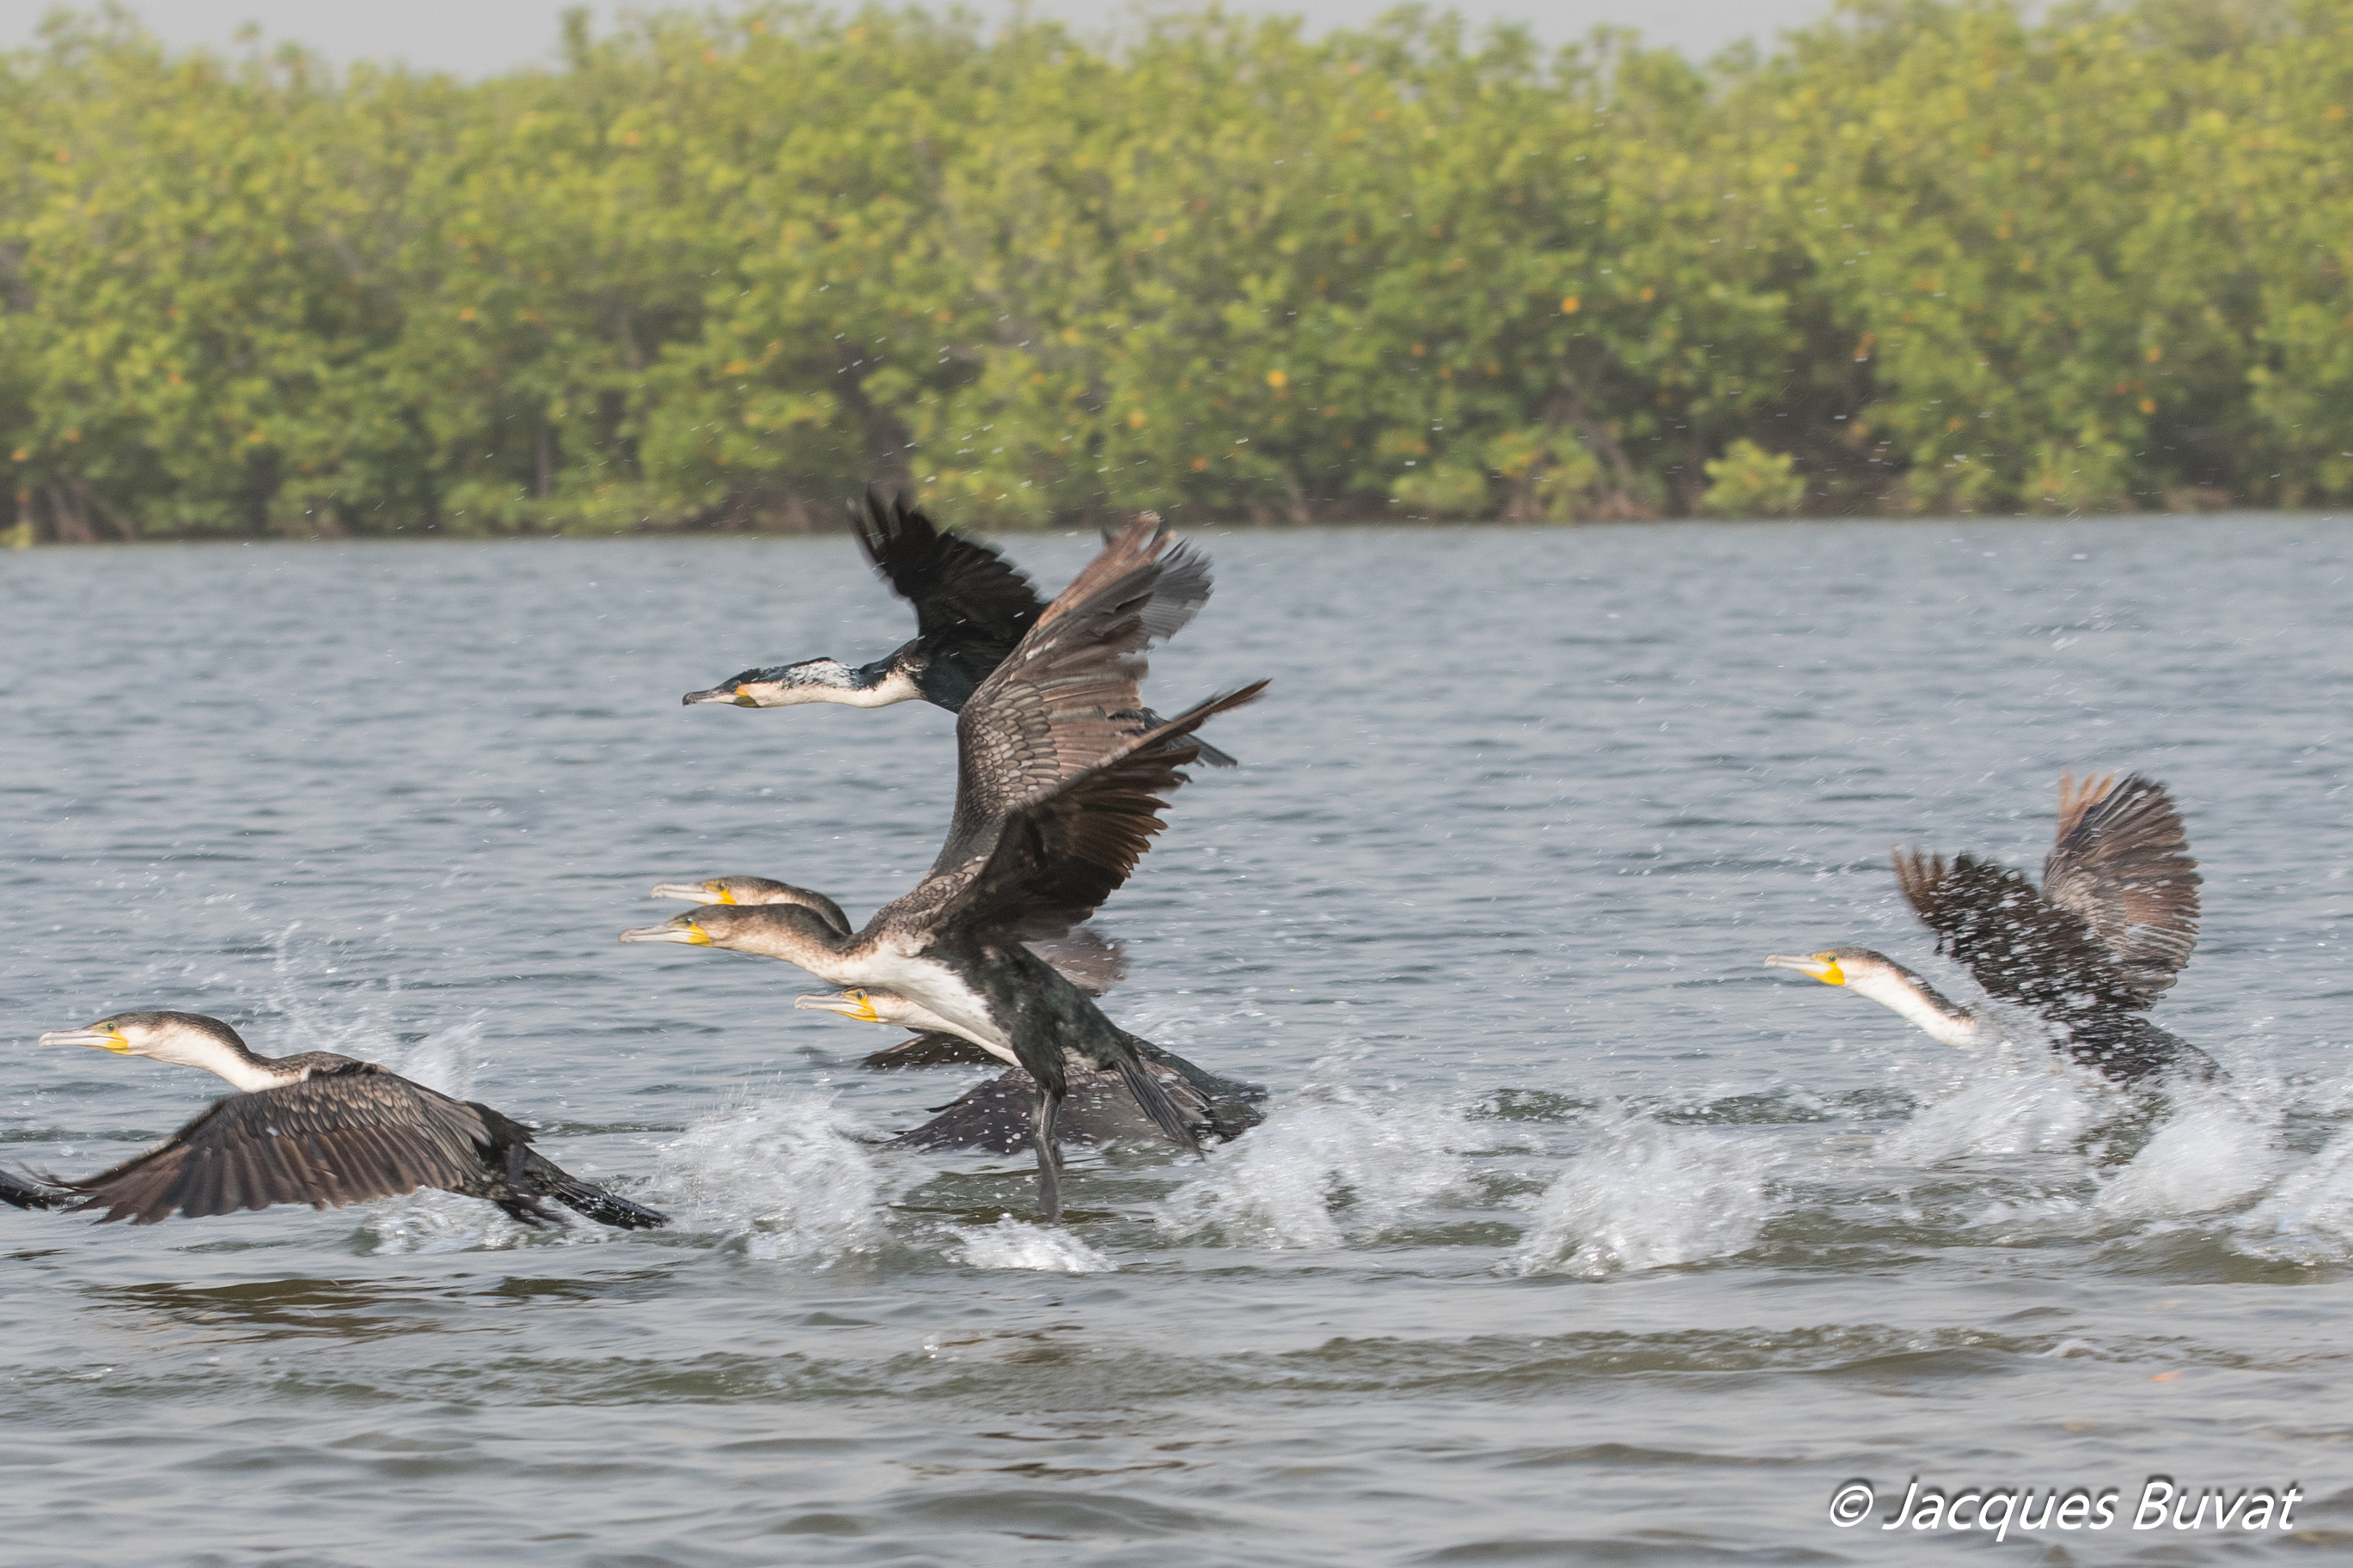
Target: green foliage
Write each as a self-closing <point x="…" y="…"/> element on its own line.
<point x="1749" y="481"/>
<point x="720" y="271"/>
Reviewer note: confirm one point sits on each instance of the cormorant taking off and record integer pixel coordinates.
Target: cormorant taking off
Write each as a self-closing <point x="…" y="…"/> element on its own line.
<point x="971" y="607"/>
<point x="1057" y="794"/>
<point x="317" y="1128"/>
<point x="2113" y="924"/>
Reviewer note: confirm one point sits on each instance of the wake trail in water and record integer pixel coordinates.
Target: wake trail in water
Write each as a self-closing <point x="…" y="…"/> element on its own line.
<point x="1016" y="1244"/>
<point x="787" y="1172"/>
<point x="1334" y="1164"/>
<point x="1644" y="1196"/>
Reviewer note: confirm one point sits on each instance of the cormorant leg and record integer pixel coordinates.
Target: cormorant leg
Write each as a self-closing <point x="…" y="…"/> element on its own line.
<point x="1050" y="1152"/>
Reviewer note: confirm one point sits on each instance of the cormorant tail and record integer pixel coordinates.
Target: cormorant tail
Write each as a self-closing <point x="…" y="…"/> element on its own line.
<point x="605" y="1208"/>
<point x="1153" y="1101"/>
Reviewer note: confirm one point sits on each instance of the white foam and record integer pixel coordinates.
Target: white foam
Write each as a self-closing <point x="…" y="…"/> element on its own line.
<point x="2039" y="1111"/>
<point x="1333" y="1165"/>
<point x="2214" y="1153"/>
<point x="433" y="1221"/>
<point x="785" y="1172"/>
<point x="2308" y="1218"/>
<point x="1643" y="1195"/>
<point x="1014" y="1244"/>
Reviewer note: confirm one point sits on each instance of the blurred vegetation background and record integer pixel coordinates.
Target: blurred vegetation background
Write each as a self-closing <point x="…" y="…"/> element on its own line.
<point x="721" y="271"/>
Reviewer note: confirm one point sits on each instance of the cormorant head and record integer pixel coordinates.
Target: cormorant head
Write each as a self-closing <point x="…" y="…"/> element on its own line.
<point x="867" y="1007"/>
<point x="783" y="685"/>
<point x="728" y="891"/>
<point x="772" y="931"/>
<point x="756" y="890"/>
<point x="1862" y="970"/>
<point x="188" y="1039"/>
<point x="1823" y="967"/>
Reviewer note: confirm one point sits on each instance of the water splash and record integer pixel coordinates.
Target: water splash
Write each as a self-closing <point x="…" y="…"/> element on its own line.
<point x="1334" y="1164"/>
<point x="2003" y="1110"/>
<point x="788" y="1173"/>
<point x="430" y="1221"/>
<point x="2308" y="1218"/>
<point x="1644" y="1196"/>
<point x="2215" y="1152"/>
<point x="1014" y="1244"/>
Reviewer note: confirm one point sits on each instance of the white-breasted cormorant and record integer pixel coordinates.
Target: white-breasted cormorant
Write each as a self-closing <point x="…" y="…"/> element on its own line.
<point x="971" y="607"/>
<point x="2113" y="924"/>
<point x="1057" y="793"/>
<point x="316" y="1128"/>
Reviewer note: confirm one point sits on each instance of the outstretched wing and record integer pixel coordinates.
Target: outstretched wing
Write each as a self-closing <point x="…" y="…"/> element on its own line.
<point x="2019" y="945"/>
<point x="2121" y="861"/>
<point x="1067" y="697"/>
<point x="954" y="583"/>
<point x="1060" y="855"/>
<point x="335" y="1138"/>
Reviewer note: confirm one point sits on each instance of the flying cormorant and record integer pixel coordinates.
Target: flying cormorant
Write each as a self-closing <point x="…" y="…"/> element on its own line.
<point x="2113" y="924"/>
<point x="317" y="1128"/>
<point x="971" y="607"/>
<point x="1057" y="793"/>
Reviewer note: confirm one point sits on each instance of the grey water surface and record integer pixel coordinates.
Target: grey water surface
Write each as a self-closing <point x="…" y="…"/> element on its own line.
<point x="1573" y="1236"/>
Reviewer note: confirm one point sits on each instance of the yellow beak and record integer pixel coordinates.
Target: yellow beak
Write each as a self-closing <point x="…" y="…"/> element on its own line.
<point x="1821" y="966"/>
<point x="104" y="1039"/>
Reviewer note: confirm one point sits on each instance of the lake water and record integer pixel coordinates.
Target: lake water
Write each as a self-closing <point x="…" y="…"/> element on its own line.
<point x="1573" y="1235"/>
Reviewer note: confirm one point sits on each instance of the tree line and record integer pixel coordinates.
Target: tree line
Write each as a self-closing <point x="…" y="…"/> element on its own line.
<point x="722" y="270"/>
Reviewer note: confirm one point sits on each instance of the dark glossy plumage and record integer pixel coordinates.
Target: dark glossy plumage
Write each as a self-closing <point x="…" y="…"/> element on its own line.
<point x="349" y="1133"/>
<point x="971" y="606"/>
<point x="2114" y="922"/>
<point x="1096" y="1109"/>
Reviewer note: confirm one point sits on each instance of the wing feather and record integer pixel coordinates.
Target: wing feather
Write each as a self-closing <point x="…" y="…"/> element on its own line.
<point x="952" y="582"/>
<point x="1057" y="857"/>
<point x="336" y="1137"/>
<point x="2121" y="861"/>
<point x="1069" y="695"/>
<point x="2016" y="943"/>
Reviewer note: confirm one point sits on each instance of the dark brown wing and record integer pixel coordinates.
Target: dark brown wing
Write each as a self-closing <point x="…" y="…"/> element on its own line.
<point x="1060" y="855"/>
<point x="1064" y="699"/>
<point x="2016" y="944"/>
<point x="2121" y="860"/>
<point x="343" y="1137"/>
<point x="954" y="583"/>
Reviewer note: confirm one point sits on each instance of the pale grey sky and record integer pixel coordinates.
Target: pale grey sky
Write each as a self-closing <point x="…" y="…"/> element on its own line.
<point x="478" y="37"/>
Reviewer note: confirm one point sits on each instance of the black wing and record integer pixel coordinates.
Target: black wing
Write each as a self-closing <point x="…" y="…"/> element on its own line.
<point x="2121" y="861"/>
<point x="341" y="1137"/>
<point x="2019" y="945"/>
<point x="955" y="585"/>
<point x="1060" y="855"/>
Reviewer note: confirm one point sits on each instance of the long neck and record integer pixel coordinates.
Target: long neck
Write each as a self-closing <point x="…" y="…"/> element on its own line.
<point x="879" y="685"/>
<point x="1946" y="1022"/>
<point x="801" y="936"/>
<point x="241" y="1068"/>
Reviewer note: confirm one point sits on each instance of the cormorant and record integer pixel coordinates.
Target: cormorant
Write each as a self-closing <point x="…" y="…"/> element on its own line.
<point x="2113" y="924"/>
<point x="317" y="1128"/>
<point x="1056" y="796"/>
<point x="971" y="607"/>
